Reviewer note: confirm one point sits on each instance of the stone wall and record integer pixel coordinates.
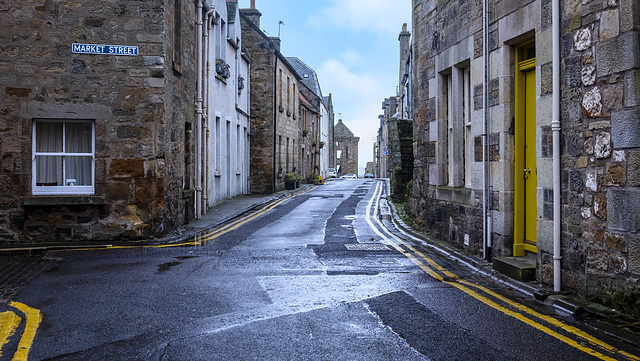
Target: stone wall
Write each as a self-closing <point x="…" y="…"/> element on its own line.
<point x="263" y="97"/>
<point x="444" y="36"/>
<point x="601" y="148"/>
<point x="141" y="107"/>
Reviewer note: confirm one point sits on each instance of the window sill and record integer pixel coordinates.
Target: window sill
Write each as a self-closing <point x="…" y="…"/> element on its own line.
<point x="57" y="200"/>
<point x="455" y="194"/>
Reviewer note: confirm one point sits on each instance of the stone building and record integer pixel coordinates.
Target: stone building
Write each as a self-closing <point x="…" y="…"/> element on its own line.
<point x="310" y="88"/>
<point x="275" y="135"/>
<point x="556" y="170"/>
<point x="346" y="149"/>
<point x="226" y="107"/>
<point x="309" y="120"/>
<point x="396" y="128"/>
<point x="97" y="118"/>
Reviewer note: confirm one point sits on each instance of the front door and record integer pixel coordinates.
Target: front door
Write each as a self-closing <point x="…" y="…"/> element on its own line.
<point x="526" y="171"/>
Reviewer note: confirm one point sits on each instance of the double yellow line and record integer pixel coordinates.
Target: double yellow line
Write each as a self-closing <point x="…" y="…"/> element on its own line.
<point x="9" y="323"/>
<point x="524" y="313"/>
<point x="203" y="239"/>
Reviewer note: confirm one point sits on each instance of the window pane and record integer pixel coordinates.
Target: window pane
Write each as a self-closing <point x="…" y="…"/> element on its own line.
<point x="78" y="171"/>
<point x="78" y="138"/>
<point x="48" y="137"/>
<point x="48" y="170"/>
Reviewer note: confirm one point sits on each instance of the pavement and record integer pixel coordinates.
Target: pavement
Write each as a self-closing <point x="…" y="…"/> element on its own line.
<point x="23" y="262"/>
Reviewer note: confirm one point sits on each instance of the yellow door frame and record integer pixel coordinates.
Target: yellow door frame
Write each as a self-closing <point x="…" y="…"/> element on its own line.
<point x="525" y="174"/>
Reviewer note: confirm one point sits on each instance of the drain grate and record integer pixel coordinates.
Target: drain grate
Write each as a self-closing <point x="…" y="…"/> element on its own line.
<point x="366" y="247"/>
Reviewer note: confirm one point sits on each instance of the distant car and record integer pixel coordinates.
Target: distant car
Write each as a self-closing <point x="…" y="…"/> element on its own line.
<point x="349" y="176"/>
<point x="331" y="173"/>
<point x="368" y="175"/>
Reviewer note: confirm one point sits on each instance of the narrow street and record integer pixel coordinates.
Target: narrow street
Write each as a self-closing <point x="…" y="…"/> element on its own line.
<point x="314" y="276"/>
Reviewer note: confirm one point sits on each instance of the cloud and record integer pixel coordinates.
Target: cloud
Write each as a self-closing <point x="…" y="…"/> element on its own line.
<point x="358" y="97"/>
<point x="380" y="16"/>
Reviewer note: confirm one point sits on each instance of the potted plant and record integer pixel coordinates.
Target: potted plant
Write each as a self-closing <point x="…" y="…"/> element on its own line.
<point x="305" y="132"/>
<point x="291" y="180"/>
<point x="313" y="178"/>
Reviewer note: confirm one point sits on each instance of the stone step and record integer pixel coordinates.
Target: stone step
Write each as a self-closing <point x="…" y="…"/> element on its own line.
<point x="519" y="268"/>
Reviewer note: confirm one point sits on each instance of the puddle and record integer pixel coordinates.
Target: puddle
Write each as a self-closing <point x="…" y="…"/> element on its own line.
<point x="167" y="266"/>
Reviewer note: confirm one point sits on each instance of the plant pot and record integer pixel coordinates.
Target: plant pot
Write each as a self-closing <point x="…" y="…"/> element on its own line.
<point x="290" y="185"/>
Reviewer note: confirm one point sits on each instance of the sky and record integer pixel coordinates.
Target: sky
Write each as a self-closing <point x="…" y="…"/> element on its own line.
<point x="353" y="47"/>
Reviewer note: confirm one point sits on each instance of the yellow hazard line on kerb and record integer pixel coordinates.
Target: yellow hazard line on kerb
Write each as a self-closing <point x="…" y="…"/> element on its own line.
<point x="10" y="321"/>
<point x="436" y="271"/>
<point x="203" y="238"/>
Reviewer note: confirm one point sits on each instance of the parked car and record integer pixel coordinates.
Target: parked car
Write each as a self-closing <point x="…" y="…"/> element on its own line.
<point x="331" y="173"/>
<point x="349" y="176"/>
<point x="368" y="175"/>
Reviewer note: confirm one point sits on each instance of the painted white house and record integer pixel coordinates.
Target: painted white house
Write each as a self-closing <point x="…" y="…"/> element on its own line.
<point x="226" y="107"/>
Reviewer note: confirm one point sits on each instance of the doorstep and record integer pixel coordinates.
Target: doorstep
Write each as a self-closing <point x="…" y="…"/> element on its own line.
<point x="519" y="268"/>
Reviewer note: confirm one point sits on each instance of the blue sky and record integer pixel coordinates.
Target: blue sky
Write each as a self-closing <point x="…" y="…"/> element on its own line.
<point x="352" y="45"/>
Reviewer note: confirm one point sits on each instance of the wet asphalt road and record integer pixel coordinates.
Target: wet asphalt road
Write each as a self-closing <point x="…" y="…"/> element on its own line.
<point x="309" y="280"/>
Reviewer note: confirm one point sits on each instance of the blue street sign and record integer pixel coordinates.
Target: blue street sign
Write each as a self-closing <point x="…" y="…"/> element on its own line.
<point x="104" y="49"/>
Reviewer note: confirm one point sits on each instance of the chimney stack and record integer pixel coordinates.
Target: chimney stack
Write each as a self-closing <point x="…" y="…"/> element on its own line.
<point x="253" y="14"/>
<point x="276" y="42"/>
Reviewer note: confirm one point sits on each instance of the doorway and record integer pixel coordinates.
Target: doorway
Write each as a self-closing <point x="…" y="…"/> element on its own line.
<point x="526" y="171"/>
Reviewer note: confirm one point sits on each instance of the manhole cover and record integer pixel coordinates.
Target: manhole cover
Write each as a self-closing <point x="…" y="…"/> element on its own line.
<point x="366" y="247"/>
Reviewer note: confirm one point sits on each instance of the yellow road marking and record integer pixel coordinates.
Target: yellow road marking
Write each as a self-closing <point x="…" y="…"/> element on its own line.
<point x="33" y="321"/>
<point x="553" y="321"/>
<point x="200" y="239"/>
<point x="460" y="284"/>
<point x="9" y="321"/>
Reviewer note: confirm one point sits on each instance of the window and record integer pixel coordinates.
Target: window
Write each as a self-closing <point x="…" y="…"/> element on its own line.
<point x="288" y="96"/>
<point x="280" y="91"/>
<point x="63" y="157"/>
<point x="457" y="115"/>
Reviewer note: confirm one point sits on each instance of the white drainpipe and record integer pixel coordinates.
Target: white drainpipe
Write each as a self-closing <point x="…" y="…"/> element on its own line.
<point x="206" y="108"/>
<point x="555" y="126"/>
<point x="198" y="136"/>
<point x="486" y="180"/>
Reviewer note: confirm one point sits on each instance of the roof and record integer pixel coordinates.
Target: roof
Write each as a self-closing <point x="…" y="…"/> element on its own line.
<point x="341" y="131"/>
<point x="308" y="75"/>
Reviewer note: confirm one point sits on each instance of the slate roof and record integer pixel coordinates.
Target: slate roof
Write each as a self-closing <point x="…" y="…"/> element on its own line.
<point x="308" y="75"/>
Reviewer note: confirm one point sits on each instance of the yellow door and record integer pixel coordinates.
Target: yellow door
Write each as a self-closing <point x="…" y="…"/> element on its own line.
<point x="526" y="171"/>
<point x="530" y="169"/>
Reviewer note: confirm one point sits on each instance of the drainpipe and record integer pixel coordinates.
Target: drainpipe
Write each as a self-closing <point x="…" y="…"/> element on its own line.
<point x="275" y="118"/>
<point x="206" y="64"/>
<point x="487" y="199"/>
<point x="198" y="137"/>
<point x="555" y="127"/>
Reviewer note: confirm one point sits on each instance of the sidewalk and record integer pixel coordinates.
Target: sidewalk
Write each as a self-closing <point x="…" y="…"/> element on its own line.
<point x="216" y="216"/>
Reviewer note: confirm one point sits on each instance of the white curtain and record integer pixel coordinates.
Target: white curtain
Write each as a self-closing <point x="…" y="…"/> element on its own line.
<point x="49" y="140"/>
<point x="78" y="140"/>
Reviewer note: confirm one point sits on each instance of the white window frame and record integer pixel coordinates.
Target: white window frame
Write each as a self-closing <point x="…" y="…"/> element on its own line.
<point x="468" y="137"/>
<point x="450" y="125"/>
<point x="65" y="188"/>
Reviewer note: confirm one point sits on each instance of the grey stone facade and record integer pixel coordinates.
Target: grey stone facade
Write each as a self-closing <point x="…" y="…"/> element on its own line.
<point x="138" y="109"/>
<point x="599" y="152"/>
<point x="275" y="133"/>
<point x="346" y="149"/>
